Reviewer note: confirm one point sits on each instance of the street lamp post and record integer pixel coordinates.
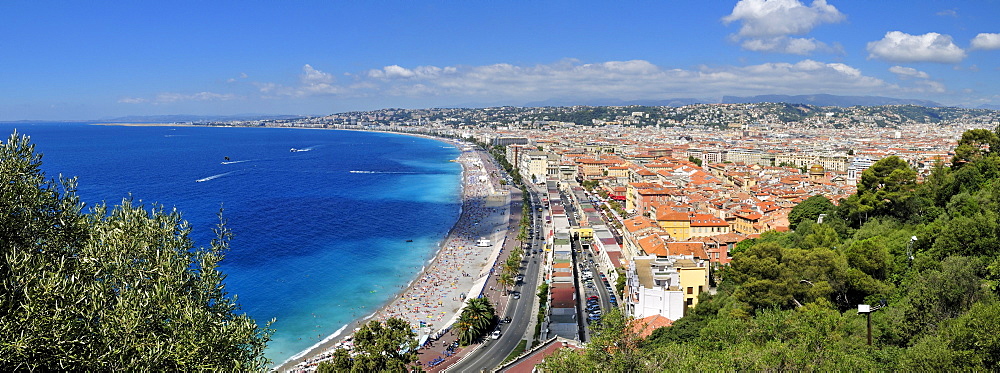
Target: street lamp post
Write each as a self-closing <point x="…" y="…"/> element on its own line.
<point x="867" y="310"/>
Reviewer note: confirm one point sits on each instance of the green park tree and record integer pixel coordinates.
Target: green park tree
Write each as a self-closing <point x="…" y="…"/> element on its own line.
<point x="975" y="144"/>
<point x="110" y="289"/>
<point x="885" y="189"/>
<point x="378" y="347"/>
<point x="810" y="209"/>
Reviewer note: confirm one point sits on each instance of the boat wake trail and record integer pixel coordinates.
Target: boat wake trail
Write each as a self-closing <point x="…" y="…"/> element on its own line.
<point x="235" y="162"/>
<point x="295" y="150"/>
<point x="213" y="177"/>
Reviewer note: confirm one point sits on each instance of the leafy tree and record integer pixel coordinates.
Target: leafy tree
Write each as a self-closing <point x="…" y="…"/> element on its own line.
<point x="884" y="190"/>
<point x="378" y="347"/>
<point x="975" y="144"/>
<point x="109" y="289"/>
<point x="810" y="209"/>
<point x="614" y="346"/>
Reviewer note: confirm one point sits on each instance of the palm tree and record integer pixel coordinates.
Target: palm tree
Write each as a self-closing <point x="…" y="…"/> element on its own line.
<point x="477" y="318"/>
<point x="511" y="267"/>
<point x="464" y="329"/>
<point x="506" y="280"/>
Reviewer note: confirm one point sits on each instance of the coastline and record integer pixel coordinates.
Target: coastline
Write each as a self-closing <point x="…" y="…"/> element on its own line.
<point x="149" y="125"/>
<point x="483" y="213"/>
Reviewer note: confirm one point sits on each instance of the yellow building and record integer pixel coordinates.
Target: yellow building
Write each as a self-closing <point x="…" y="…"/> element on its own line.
<point x="694" y="280"/>
<point x="676" y="224"/>
<point x="705" y="225"/>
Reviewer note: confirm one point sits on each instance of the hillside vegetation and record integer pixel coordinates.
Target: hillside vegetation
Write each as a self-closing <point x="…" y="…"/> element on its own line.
<point x="788" y="302"/>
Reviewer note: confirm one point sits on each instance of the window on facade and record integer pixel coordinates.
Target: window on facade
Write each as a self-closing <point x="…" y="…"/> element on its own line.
<point x="690" y="290"/>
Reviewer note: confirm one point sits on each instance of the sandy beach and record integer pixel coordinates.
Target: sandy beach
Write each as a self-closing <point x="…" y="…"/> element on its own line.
<point x="458" y="271"/>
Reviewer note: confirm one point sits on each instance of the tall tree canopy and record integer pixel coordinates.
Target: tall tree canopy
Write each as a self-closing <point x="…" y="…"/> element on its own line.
<point x="378" y="347"/>
<point x="810" y="209"/>
<point x="885" y="189"/>
<point x="109" y="289"/>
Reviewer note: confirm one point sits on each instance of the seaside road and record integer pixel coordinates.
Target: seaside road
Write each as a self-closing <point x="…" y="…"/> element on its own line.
<point x="490" y="355"/>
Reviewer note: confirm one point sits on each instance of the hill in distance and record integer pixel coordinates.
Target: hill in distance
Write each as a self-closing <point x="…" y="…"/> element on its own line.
<point x="184" y="118"/>
<point x="672" y="102"/>
<point x="829" y="100"/>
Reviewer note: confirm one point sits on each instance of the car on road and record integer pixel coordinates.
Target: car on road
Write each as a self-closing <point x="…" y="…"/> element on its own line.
<point x="517" y="295"/>
<point x="496" y="334"/>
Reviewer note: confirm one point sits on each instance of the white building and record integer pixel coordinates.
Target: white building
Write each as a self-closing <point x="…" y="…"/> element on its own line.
<point x="653" y="289"/>
<point x="534" y="166"/>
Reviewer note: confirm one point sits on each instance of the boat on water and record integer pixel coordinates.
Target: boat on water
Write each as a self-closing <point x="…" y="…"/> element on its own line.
<point x="409" y="240"/>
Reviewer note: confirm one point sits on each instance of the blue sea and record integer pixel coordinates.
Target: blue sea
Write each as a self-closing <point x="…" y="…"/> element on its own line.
<point x="320" y="235"/>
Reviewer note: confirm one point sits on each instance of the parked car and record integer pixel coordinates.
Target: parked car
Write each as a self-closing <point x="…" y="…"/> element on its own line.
<point x="496" y="334"/>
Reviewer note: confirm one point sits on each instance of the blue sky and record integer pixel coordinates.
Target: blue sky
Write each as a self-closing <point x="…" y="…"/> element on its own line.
<point x="90" y="60"/>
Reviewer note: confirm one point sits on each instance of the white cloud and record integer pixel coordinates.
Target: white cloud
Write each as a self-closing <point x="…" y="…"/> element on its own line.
<point x="164" y="98"/>
<point x="781" y="17"/>
<point x="928" y="86"/>
<point x="947" y="13"/>
<point x="234" y="80"/>
<point x="312" y="82"/>
<point x="172" y="97"/>
<point x="570" y="79"/>
<point x="132" y="100"/>
<point x="908" y="72"/>
<point x="784" y="44"/>
<point x="312" y="76"/>
<point x="985" y="41"/>
<point x="766" y="24"/>
<point x="899" y="46"/>
<point x="399" y="72"/>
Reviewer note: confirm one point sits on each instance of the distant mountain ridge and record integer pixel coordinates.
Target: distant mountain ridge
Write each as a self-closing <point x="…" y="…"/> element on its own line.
<point x="672" y="102"/>
<point x="187" y="118"/>
<point x="829" y="100"/>
<point x="814" y="99"/>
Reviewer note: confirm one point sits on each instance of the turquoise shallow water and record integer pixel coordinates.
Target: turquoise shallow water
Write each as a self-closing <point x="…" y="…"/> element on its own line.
<point x="320" y="235"/>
